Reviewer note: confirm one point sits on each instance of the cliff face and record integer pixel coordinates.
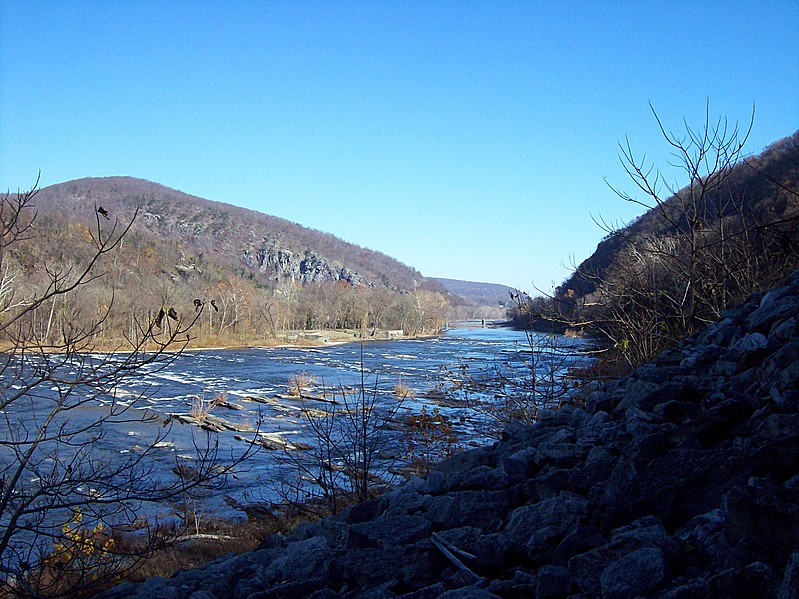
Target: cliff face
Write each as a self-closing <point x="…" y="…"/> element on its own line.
<point x="681" y="480"/>
<point x="278" y="264"/>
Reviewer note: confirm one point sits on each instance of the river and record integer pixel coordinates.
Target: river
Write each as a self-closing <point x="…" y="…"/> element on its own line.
<point x="255" y="380"/>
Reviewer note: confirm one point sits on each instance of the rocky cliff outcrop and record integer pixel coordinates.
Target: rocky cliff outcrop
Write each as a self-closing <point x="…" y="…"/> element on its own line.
<point x="279" y="264"/>
<point x="678" y="481"/>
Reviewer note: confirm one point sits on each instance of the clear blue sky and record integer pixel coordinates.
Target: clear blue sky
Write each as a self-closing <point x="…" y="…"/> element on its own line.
<point x="470" y="140"/>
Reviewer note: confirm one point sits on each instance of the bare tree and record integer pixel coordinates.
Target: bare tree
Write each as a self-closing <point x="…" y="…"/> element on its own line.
<point x="698" y="249"/>
<point x="353" y="447"/>
<point x="65" y="489"/>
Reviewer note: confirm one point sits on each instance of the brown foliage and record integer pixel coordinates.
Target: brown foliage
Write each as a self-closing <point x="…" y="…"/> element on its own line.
<point x="188" y="254"/>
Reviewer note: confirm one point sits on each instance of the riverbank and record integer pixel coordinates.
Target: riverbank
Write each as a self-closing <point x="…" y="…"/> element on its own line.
<point x="311" y="338"/>
<point x="253" y="383"/>
<point x="314" y="338"/>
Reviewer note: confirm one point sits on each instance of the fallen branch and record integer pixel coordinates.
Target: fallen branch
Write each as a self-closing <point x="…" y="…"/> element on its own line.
<point x="449" y="551"/>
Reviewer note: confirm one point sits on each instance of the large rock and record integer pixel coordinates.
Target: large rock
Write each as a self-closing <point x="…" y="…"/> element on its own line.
<point x="542" y="525"/>
<point x="281" y="264"/>
<point x="634" y="575"/>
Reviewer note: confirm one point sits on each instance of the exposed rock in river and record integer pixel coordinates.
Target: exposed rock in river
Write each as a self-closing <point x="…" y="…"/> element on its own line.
<point x="678" y="481"/>
<point x="213" y="423"/>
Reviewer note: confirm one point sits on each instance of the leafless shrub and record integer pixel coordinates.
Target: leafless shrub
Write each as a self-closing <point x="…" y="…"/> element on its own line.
<point x="402" y="391"/>
<point x="353" y="446"/>
<point x="200" y="408"/>
<point x="300" y="382"/>
<point x="429" y="439"/>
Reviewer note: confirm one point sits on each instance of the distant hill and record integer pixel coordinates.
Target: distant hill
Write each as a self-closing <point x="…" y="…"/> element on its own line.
<point x="481" y="294"/>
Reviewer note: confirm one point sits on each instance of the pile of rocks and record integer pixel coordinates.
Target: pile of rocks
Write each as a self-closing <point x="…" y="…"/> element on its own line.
<point x="677" y="481"/>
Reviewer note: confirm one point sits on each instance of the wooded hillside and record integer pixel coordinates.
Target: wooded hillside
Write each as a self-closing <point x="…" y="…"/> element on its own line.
<point x="697" y="251"/>
<point x="254" y="277"/>
<point x="265" y="248"/>
<point x="759" y="191"/>
<point x="490" y="294"/>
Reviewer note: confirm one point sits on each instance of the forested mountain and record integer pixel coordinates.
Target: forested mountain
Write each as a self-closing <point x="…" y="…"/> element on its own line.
<point x="266" y="248"/>
<point x="732" y="230"/>
<point x="252" y="276"/>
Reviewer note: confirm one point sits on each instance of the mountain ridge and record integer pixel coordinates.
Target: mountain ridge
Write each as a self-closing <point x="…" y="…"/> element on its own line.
<point x="272" y="246"/>
<point x="477" y="292"/>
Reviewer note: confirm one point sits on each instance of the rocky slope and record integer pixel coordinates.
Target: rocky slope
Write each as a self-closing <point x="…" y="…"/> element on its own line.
<point x="678" y="481"/>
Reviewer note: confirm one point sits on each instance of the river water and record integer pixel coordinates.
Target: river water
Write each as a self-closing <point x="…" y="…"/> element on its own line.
<point x="256" y="380"/>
